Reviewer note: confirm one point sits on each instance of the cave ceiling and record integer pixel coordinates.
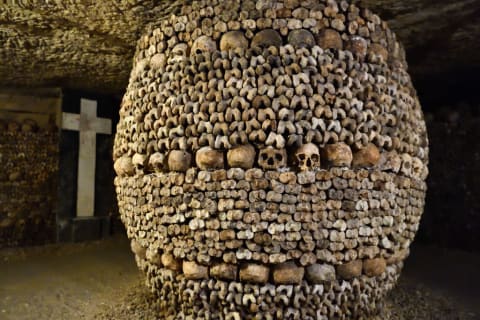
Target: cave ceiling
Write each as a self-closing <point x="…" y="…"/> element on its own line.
<point x="89" y="45"/>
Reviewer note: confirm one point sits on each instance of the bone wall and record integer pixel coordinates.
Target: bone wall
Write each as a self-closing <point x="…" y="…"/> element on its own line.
<point x="28" y="158"/>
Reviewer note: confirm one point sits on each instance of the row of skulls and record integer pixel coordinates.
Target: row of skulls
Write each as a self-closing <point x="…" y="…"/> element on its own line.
<point x="306" y="157"/>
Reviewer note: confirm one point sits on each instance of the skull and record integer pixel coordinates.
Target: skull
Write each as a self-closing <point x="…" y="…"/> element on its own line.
<point x="271" y="158"/>
<point x="29" y="125"/>
<point x="13" y="126"/>
<point x="379" y="50"/>
<point x="301" y="38"/>
<point x="366" y="157"/>
<point x="406" y="168"/>
<point x="158" y="61"/>
<point x="179" y="160"/>
<point x="418" y="168"/>
<point x="390" y="161"/>
<point x="358" y="46"/>
<point x="153" y="256"/>
<point x="123" y="166"/>
<point x="203" y="44"/>
<point x="330" y="39"/>
<point x="208" y="158"/>
<point x="267" y="38"/>
<point x="232" y="40"/>
<point x="178" y="54"/>
<point x="156" y="161"/>
<point x="307" y="157"/>
<point x="139" y="160"/>
<point x="241" y="157"/>
<point x="338" y="154"/>
<point x="138" y="249"/>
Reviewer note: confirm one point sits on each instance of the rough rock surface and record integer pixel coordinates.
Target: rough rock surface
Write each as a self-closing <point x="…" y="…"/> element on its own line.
<point x="90" y="45"/>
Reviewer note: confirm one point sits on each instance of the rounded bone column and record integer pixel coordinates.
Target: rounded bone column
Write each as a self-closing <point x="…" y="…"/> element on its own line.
<point x="271" y="160"/>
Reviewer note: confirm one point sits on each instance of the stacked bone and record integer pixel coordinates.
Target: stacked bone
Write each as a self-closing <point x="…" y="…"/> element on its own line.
<point x="271" y="155"/>
<point x="28" y="158"/>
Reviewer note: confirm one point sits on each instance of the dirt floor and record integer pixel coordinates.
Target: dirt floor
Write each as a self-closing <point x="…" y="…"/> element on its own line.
<point x="99" y="280"/>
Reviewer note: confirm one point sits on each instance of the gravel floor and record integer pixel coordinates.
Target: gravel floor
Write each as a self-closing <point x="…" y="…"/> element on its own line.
<point x="100" y="281"/>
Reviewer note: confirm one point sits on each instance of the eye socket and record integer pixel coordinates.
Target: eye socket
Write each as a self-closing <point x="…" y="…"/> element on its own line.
<point x="301" y="156"/>
<point x="278" y="157"/>
<point x="264" y="156"/>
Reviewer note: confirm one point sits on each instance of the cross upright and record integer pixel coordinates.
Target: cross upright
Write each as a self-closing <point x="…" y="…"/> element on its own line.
<point x="89" y="125"/>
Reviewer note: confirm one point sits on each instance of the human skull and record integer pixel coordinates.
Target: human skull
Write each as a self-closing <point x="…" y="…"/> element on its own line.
<point x="390" y="161"/>
<point x="267" y="38"/>
<point x="123" y="166"/>
<point x="301" y="38"/>
<point x="232" y="40"/>
<point x="208" y="158"/>
<point x="378" y="50"/>
<point x="338" y="154"/>
<point x="139" y="161"/>
<point x="158" y="61"/>
<point x="179" y="160"/>
<point x="178" y="54"/>
<point x="330" y="39"/>
<point x="271" y="158"/>
<point x="366" y="157"/>
<point x="202" y="45"/>
<point x="419" y="169"/>
<point x="241" y="157"/>
<point x="29" y="125"/>
<point x="307" y="157"/>
<point x="156" y="161"/>
<point x="138" y="249"/>
<point x="358" y="46"/>
<point x="406" y="167"/>
<point x="13" y="126"/>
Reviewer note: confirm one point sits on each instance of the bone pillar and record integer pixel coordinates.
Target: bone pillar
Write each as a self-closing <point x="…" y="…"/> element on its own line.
<point x="300" y="159"/>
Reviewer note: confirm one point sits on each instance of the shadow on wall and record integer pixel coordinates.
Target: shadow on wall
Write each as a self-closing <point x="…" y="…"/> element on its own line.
<point x="452" y="212"/>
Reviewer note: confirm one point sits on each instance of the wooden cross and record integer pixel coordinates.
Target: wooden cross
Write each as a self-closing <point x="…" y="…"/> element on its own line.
<point x="89" y="125"/>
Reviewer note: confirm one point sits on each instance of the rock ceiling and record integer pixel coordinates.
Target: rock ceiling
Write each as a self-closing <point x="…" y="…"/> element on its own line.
<point x="87" y="44"/>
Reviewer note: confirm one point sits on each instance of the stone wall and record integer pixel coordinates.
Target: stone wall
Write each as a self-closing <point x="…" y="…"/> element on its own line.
<point x="452" y="213"/>
<point x="90" y="44"/>
<point x="28" y="161"/>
